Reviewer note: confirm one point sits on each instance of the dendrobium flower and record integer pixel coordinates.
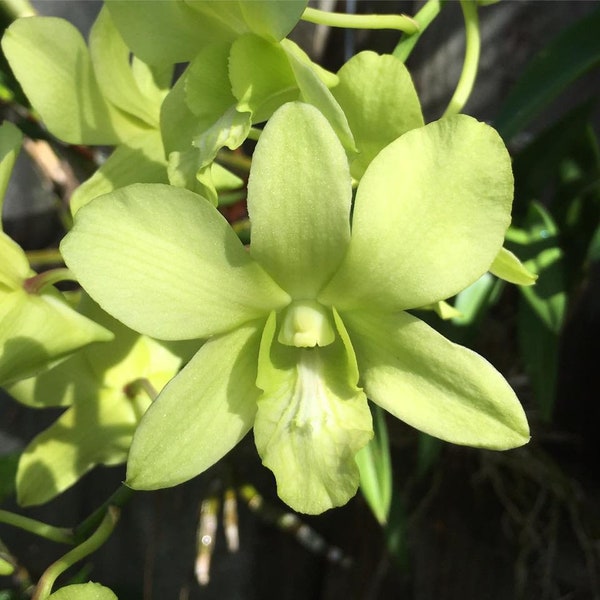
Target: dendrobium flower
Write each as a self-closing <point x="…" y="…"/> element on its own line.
<point x="105" y="388"/>
<point x="312" y="321"/>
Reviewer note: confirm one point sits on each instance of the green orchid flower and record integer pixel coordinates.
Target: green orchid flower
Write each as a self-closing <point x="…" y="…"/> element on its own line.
<point x="104" y="388"/>
<point x="37" y="326"/>
<point x="312" y="321"/>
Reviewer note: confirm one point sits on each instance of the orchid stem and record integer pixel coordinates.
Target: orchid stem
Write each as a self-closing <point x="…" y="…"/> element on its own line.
<point x="90" y="545"/>
<point x="352" y="21"/>
<point x="429" y="11"/>
<point x="37" y="283"/>
<point x="51" y="256"/>
<point x="471" y="63"/>
<point x="62" y="535"/>
<point x="117" y="499"/>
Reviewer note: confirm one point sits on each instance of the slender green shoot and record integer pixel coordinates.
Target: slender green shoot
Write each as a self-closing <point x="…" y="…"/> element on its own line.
<point x="353" y="21"/>
<point x="62" y="535"/>
<point x="99" y="537"/>
<point x="425" y="16"/>
<point x="471" y="63"/>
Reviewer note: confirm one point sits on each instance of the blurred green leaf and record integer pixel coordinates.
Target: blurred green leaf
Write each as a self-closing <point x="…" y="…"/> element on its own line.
<point x="375" y="466"/>
<point x="542" y="255"/>
<point x="8" y="472"/>
<point x="559" y="64"/>
<point x="594" y="247"/>
<point x="539" y="350"/>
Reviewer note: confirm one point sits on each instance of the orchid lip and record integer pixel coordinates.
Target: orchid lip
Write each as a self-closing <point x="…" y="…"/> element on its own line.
<point x="306" y="324"/>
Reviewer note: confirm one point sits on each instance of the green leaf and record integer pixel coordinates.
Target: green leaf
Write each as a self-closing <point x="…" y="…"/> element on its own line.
<point x="543" y="255"/>
<point x="52" y="63"/>
<point x="10" y="144"/>
<point x="139" y="160"/>
<point x="83" y="591"/>
<point x="436" y="386"/>
<point x="566" y="58"/>
<point x="508" y="267"/>
<point x="539" y="347"/>
<point x="165" y="262"/>
<point x="375" y="467"/>
<point x="429" y="217"/>
<point x="312" y="419"/>
<point x="8" y="472"/>
<point x="299" y="196"/>
<point x="200" y="415"/>
<point x="473" y="300"/>
<point x="380" y="101"/>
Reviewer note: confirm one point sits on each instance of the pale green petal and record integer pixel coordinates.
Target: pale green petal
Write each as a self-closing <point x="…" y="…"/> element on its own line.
<point x="508" y="267"/>
<point x="10" y="144"/>
<point x="112" y="67"/>
<point x="315" y="92"/>
<point x="429" y="218"/>
<point x="261" y="77"/>
<point x="83" y="591"/>
<point x="272" y="19"/>
<point x="163" y="31"/>
<point x="163" y="261"/>
<point x="96" y="430"/>
<point x="299" y="196"/>
<point x="206" y="86"/>
<point x="57" y="386"/>
<point x="380" y="101"/>
<point x="140" y="160"/>
<point x="312" y="419"/>
<point x="37" y="330"/>
<point x="51" y="62"/>
<point x="438" y="387"/>
<point x="14" y="266"/>
<point x="269" y="19"/>
<point x="200" y="415"/>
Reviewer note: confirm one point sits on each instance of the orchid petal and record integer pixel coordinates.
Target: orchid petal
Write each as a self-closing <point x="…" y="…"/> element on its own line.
<point x="312" y="419"/>
<point x="438" y="387"/>
<point x="126" y="242"/>
<point x="379" y="99"/>
<point x="37" y="330"/>
<point x="299" y="197"/>
<point x="429" y="218"/>
<point x="83" y="591"/>
<point x="140" y="160"/>
<point x="207" y="409"/>
<point x="261" y="77"/>
<point x="97" y="430"/>
<point x="313" y="90"/>
<point x="10" y="144"/>
<point x="112" y="67"/>
<point x="70" y="101"/>
<point x="508" y="267"/>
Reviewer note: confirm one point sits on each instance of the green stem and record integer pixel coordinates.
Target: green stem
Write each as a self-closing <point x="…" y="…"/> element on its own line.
<point x="234" y="160"/>
<point x="61" y="535"/>
<point x="44" y="586"/>
<point x="118" y="499"/>
<point x="254" y="134"/>
<point x="36" y="284"/>
<point x="472" y="49"/>
<point x="44" y="257"/>
<point x="429" y="11"/>
<point x="353" y="21"/>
